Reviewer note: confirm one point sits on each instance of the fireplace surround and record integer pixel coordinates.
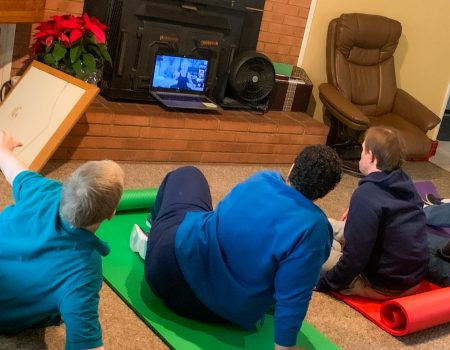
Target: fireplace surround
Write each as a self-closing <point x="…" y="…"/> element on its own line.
<point x="216" y="30"/>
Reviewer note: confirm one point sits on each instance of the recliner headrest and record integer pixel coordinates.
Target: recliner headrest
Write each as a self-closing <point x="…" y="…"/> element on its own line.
<point x="367" y="39"/>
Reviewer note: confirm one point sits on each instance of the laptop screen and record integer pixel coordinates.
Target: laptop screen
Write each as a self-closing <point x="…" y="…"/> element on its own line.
<point x="177" y="73"/>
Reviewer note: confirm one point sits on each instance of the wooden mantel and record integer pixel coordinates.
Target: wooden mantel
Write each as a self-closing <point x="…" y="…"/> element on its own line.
<point x="19" y="11"/>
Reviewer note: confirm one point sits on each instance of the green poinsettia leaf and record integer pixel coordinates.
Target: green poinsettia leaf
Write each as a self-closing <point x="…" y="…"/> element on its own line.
<point x="105" y="53"/>
<point x="75" y="53"/>
<point x="89" y="62"/>
<point x="49" y="60"/>
<point x="59" y="51"/>
<point x="94" y="50"/>
<point x="78" y="68"/>
<point x="91" y="39"/>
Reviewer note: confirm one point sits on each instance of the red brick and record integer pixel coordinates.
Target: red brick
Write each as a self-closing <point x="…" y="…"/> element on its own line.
<point x="261" y="148"/>
<point x="60" y="154"/>
<point x="233" y="122"/>
<point x="152" y="156"/>
<point x="290" y="40"/>
<point x="273" y="17"/>
<point x="215" y="157"/>
<point x="168" y="121"/>
<point x="295" y="21"/>
<point x="170" y="145"/>
<point x="300" y="3"/>
<point x="251" y="137"/>
<point x="268" y="6"/>
<point x="294" y="51"/>
<point x="270" y="37"/>
<point x="285" y="29"/>
<point x="285" y="9"/>
<point x="287" y="149"/>
<point x="86" y="154"/>
<point x="208" y="146"/>
<point x="91" y="129"/>
<point x="260" y="124"/>
<point x="240" y="137"/>
<point x="131" y="119"/>
<point x="303" y="12"/>
<point x="101" y="117"/>
<point x="185" y="157"/>
<point x="279" y="2"/>
<point x="200" y="121"/>
<point x="124" y="131"/>
<point x="277" y="48"/>
<point x="260" y="47"/>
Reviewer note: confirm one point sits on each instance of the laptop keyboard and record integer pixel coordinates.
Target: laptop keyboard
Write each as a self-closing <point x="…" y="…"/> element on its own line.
<point x="183" y="98"/>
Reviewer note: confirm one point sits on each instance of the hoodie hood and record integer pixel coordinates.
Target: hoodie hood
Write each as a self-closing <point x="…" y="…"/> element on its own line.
<point x="395" y="182"/>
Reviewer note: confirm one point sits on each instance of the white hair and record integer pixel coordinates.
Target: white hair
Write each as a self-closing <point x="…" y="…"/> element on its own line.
<point x="91" y="193"/>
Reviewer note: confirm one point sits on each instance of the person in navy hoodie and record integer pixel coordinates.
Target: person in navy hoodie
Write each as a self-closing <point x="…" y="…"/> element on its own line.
<point x="384" y="246"/>
<point x="264" y="244"/>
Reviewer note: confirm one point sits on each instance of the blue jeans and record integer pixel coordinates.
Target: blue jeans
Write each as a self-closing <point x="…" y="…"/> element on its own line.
<point x="438" y="215"/>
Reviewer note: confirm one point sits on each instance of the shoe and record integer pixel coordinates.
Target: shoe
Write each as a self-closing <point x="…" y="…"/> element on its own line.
<point x="442" y="254"/>
<point x="138" y="241"/>
<point x="431" y="199"/>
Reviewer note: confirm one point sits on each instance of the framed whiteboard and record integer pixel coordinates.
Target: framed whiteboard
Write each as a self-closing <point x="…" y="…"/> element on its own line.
<point x="41" y="110"/>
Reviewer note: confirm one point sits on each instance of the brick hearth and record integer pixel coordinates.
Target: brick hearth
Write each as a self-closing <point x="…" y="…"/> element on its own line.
<point x="147" y="132"/>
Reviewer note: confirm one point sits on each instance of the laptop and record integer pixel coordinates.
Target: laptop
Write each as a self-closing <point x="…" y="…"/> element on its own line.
<point x="180" y="82"/>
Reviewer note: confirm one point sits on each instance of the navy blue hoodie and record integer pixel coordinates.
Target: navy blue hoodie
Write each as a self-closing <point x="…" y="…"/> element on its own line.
<point x="385" y="237"/>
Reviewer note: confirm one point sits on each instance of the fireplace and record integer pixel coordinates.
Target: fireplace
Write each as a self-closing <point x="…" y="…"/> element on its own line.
<point x="216" y="30"/>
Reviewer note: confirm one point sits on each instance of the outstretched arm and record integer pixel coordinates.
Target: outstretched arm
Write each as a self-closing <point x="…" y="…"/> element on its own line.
<point x="10" y="165"/>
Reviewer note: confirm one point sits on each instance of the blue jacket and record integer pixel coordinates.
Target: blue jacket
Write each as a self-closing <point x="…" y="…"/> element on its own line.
<point x="385" y="237"/>
<point x="264" y="243"/>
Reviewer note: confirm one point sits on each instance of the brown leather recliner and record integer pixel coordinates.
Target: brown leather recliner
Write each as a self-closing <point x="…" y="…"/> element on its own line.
<point x="362" y="89"/>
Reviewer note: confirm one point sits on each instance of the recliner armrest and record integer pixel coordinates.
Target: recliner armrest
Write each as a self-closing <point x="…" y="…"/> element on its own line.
<point x="341" y="108"/>
<point x="412" y="110"/>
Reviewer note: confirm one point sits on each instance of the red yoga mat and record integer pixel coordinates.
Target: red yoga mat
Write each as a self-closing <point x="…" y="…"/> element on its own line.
<point x="429" y="307"/>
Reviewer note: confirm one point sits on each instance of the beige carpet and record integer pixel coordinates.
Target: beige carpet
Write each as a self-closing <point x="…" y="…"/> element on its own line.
<point x="347" y="328"/>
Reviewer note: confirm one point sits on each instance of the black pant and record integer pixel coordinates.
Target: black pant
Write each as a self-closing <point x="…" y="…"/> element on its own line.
<point x="182" y="190"/>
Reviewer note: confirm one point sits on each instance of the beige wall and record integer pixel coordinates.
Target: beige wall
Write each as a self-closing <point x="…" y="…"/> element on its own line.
<point x="423" y="54"/>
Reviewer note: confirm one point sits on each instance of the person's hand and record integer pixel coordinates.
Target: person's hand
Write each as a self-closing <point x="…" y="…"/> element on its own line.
<point x="344" y="215"/>
<point x="7" y="141"/>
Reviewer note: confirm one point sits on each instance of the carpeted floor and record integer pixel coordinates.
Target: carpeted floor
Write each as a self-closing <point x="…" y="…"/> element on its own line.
<point x="347" y="328"/>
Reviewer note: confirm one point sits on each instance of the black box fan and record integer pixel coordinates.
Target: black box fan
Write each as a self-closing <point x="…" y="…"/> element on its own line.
<point x="251" y="79"/>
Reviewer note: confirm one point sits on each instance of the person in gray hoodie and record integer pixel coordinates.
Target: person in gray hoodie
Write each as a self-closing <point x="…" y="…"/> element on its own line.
<point x="384" y="252"/>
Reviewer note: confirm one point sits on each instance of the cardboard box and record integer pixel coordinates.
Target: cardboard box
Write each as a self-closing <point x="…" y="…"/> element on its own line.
<point x="291" y="93"/>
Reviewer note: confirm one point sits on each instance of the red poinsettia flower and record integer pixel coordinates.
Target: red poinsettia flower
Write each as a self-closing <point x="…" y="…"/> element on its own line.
<point x="75" y="35"/>
<point x="76" y="45"/>
<point x="93" y="27"/>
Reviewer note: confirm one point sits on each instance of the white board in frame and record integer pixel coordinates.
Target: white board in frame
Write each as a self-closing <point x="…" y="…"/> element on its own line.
<point x="42" y="109"/>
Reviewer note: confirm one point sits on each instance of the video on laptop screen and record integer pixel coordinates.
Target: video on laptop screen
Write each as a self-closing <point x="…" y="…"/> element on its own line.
<point x="179" y="73"/>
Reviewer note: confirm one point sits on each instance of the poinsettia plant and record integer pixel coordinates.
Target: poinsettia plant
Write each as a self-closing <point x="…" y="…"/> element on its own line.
<point x="75" y="45"/>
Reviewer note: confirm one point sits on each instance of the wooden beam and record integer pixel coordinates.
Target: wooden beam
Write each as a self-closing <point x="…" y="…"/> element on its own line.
<point x="28" y="11"/>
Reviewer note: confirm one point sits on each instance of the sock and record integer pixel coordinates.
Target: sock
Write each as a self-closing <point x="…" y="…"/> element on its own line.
<point x="138" y="241"/>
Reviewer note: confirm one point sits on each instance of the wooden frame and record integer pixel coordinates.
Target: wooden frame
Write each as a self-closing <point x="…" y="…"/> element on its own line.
<point x="42" y="109"/>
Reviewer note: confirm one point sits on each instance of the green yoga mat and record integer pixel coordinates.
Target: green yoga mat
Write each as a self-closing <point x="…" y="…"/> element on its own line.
<point x="123" y="270"/>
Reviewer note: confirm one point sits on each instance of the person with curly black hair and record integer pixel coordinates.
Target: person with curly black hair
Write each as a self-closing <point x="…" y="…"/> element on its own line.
<point x="264" y="244"/>
<point x="385" y="251"/>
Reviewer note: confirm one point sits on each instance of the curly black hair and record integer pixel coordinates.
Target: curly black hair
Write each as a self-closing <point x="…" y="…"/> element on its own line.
<point x="316" y="171"/>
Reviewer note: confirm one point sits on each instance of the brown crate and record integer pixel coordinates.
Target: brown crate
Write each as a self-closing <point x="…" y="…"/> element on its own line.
<point x="291" y="94"/>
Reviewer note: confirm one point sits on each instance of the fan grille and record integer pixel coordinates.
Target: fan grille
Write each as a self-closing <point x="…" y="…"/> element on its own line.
<point x="254" y="79"/>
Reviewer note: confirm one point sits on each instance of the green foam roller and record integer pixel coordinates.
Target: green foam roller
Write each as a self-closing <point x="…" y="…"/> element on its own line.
<point x="137" y="199"/>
